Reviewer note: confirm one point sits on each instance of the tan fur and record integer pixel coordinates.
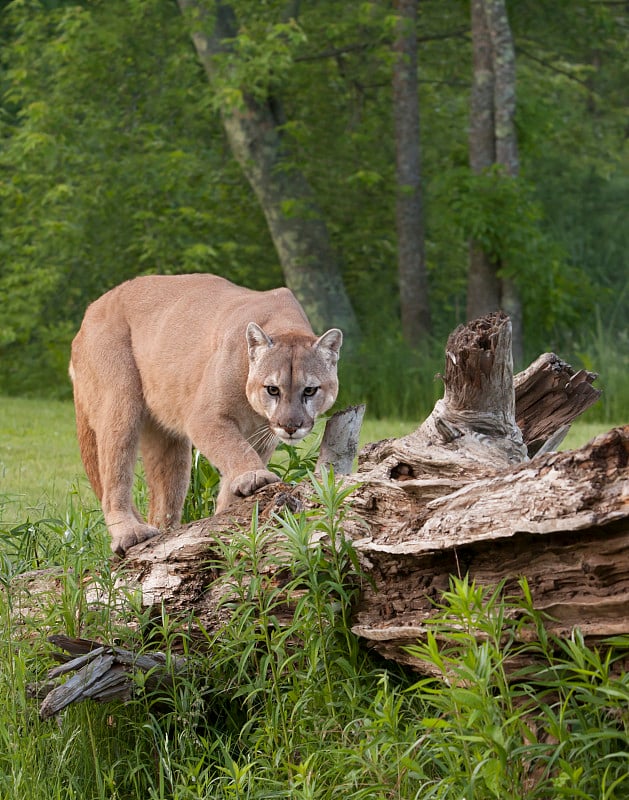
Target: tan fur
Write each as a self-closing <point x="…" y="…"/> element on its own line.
<point x="165" y="362"/>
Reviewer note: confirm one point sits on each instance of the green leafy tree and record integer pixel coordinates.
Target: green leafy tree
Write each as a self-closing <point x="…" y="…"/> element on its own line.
<point x="115" y="165"/>
<point x="116" y="161"/>
<point x="246" y="79"/>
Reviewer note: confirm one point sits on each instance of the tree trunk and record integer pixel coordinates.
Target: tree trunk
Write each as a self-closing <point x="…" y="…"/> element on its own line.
<point x="503" y="56"/>
<point x="295" y="221"/>
<point x="412" y="274"/>
<point x="493" y="140"/>
<point x="503" y="59"/>
<point x="483" y="284"/>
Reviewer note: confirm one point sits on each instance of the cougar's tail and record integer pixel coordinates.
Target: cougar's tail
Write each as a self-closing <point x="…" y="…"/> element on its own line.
<point x="88" y="446"/>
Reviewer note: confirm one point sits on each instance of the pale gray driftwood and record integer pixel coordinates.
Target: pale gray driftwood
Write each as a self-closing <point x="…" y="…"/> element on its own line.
<point x="339" y="443"/>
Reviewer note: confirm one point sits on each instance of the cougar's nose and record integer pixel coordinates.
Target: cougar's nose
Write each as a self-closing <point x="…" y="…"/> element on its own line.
<point x="290" y="429"/>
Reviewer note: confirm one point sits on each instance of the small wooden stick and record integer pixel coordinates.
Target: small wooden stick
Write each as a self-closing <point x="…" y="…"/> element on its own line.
<point x="339" y="444"/>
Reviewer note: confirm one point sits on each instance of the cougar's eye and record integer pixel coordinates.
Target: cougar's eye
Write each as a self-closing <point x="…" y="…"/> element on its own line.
<point x="274" y="391"/>
<point x="310" y="391"/>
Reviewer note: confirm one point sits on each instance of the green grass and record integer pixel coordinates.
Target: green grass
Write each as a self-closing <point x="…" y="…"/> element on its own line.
<point x="300" y="711"/>
<point x="39" y="455"/>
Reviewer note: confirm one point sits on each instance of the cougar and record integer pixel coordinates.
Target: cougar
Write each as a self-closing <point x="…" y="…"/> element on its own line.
<point x="162" y="363"/>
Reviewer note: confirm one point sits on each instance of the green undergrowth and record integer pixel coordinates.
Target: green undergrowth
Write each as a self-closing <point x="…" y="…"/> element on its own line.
<point x="284" y="701"/>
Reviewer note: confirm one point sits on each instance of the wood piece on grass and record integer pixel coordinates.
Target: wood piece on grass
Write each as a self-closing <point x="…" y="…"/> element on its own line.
<point x="101" y="672"/>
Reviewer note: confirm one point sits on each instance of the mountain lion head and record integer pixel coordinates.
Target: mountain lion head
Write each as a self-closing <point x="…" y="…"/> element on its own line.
<point x="292" y="378"/>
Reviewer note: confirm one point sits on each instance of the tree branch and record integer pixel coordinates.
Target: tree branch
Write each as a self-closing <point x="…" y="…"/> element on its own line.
<point x="544" y="63"/>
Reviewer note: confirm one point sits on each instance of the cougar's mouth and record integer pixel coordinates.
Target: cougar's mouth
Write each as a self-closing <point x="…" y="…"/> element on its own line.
<point x="290" y="435"/>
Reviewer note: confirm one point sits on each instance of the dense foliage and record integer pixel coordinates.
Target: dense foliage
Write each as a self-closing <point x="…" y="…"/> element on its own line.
<point x="115" y="163"/>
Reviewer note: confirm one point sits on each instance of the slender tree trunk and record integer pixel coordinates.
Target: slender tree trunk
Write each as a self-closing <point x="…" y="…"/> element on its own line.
<point x="295" y="221"/>
<point x="412" y="275"/>
<point x="506" y="140"/>
<point x="504" y="86"/>
<point x="483" y="284"/>
<point x="493" y="140"/>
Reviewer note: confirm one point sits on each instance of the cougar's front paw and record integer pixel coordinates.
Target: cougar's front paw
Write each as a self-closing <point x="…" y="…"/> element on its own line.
<point x="250" y="482"/>
<point x="122" y="540"/>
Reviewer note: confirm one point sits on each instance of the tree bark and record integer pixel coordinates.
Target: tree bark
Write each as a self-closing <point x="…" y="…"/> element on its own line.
<point x="295" y="221"/>
<point x="412" y="273"/>
<point x="493" y="140"/>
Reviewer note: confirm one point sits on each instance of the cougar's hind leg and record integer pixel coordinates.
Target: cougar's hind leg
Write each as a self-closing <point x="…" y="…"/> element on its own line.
<point x="167" y="460"/>
<point x="115" y="412"/>
<point x="118" y="435"/>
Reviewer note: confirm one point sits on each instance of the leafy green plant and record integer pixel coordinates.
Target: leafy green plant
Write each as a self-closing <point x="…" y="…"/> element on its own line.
<point x="556" y="729"/>
<point x="293" y="463"/>
<point x="201" y="497"/>
<point x="605" y="350"/>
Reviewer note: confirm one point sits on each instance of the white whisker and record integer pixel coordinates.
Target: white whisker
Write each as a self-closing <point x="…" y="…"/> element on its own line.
<point x="262" y="439"/>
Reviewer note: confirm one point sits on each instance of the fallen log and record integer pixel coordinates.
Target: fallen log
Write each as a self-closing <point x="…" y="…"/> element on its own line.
<point x="458" y="495"/>
<point x="474" y="490"/>
<point x="562" y="522"/>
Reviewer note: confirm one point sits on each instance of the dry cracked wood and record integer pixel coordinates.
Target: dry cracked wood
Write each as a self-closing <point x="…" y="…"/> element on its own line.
<point x="561" y="521"/>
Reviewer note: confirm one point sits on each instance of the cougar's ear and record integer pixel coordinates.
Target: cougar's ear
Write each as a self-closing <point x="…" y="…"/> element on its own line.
<point x="331" y="341"/>
<point x="256" y="338"/>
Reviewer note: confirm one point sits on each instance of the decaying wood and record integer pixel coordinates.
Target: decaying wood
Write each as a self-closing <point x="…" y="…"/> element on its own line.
<point x="472" y="429"/>
<point x="562" y="522"/>
<point x="460" y="495"/>
<point x="101" y="673"/>
<point x="339" y="443"/>
<point x="546" y="395"/>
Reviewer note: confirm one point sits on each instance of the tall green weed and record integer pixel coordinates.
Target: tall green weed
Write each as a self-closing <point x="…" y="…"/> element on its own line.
<point x="606" y="351"/>
<point x="285" y="702"/>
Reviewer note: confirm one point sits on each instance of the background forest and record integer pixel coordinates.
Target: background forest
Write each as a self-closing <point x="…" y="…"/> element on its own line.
<point x="403" y="166"/>
<point x="131" y="147"/>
